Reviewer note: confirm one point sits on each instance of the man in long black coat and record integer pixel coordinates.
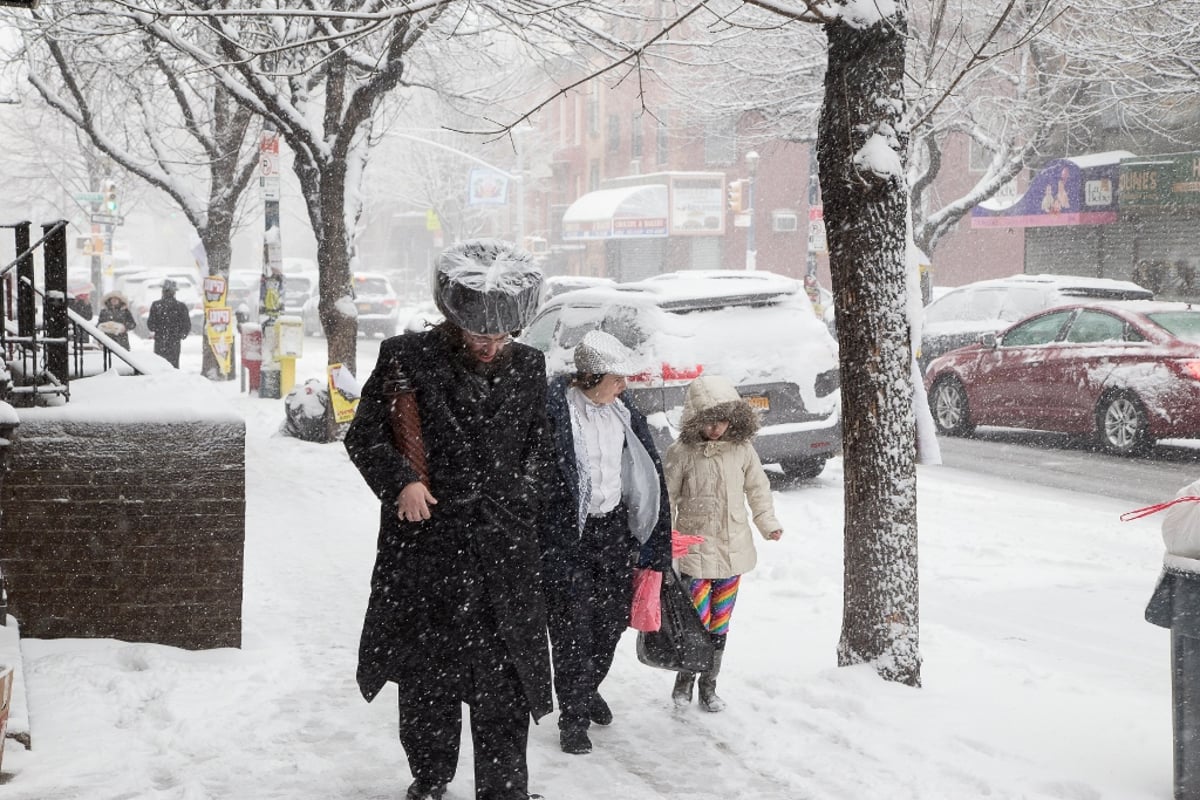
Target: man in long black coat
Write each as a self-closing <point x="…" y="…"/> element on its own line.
<point x="456" y="611"/>
<point x="169" y="322"/>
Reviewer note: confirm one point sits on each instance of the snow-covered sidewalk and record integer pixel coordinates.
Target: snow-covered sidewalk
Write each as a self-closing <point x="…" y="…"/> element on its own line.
<point x="1042" y="680"/>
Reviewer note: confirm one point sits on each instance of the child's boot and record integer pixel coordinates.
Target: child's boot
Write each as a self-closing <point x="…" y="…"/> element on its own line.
<point x="708" y="685"/>
<point x="685" y="682"/>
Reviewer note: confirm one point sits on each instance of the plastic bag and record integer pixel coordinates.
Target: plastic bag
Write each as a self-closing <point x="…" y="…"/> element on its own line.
<point x="1180" y="525"/>
<point x="307" y="412"/>
<point x="682" y="643"/>
<point x="646" y="612"/>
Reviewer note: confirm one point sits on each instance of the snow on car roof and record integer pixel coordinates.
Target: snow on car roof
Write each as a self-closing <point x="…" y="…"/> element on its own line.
<point x="672" y="288"/>
<point x="1065" y="282"/>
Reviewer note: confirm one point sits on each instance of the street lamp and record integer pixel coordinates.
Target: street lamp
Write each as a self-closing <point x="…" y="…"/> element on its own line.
<point x="751" y="253"/>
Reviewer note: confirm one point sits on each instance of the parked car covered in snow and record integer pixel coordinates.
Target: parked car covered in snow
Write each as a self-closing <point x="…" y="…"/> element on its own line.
<point x="1126" y="373"/>
<point x="375" y="303"/>
<point x="756" y="328"/>
<point x="962" y="315"/>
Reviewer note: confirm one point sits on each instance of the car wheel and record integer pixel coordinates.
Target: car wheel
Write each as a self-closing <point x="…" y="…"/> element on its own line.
<point x="1121" y="424"/>
<point x="948" y="403"/>
<point x="802" y="469"/>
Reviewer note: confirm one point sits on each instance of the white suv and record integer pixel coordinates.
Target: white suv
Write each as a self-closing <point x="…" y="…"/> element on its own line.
<point x="756" y="328"/>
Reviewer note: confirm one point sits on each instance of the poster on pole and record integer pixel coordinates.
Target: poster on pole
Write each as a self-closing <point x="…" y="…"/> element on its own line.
<point x="268" y="165"/>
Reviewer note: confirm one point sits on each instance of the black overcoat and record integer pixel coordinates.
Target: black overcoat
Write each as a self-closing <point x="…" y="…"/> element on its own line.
<point x="464" y="584"/>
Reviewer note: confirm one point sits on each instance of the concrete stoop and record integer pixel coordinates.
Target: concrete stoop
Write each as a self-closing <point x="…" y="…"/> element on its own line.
<point x="10" y="655"/>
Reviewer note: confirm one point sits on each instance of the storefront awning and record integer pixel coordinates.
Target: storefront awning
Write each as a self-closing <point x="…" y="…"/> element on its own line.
<point x="630" y="212"/>
<point x="1068" y="191"/>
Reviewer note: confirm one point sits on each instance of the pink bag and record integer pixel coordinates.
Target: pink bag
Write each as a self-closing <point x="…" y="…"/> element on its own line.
<point x="646" y="612"/>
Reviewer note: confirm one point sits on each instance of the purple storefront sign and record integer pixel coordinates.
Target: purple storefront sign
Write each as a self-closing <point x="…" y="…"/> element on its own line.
<point x="1068" y="191"/>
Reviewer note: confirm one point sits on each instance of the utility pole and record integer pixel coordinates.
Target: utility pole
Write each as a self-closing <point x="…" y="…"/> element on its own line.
<point x="270" y="298"/>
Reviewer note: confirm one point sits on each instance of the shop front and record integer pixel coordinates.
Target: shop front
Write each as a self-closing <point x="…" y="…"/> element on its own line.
<point x="1069" y="213"/>
<point x="643" y="225"/>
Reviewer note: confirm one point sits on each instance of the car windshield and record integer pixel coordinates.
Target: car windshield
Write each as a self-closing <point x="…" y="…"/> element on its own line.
<point x="1183" y="325"/>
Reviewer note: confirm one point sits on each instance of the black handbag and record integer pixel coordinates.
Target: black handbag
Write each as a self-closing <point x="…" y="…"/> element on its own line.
<point x="682" y="643"/>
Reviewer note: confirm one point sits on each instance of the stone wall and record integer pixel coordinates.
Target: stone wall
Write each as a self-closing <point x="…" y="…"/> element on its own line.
<point x="126" y="530"/>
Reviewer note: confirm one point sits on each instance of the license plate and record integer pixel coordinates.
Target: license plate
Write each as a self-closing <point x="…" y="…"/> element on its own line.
<point x="366" y="307"/>
<point x="759" y="402"/>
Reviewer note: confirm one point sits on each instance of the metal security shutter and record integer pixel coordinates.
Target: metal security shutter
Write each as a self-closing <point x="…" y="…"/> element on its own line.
<point x="635" y="259"/>
<point x="1112" y="251"/>
<point x="706" y="252"/>
<point x="1069" y="250"/>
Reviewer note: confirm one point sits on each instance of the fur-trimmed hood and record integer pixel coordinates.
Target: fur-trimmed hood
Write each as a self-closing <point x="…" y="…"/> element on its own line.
<point x="712" y="398"/>
<point x="104" y="300"/>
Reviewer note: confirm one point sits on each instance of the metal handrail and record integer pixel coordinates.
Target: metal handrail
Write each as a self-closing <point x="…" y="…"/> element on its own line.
<point x="62" y="223"/>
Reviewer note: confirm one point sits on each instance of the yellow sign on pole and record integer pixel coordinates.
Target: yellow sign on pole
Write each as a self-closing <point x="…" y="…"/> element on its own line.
<point x="343" y="392"/>
<point x="218" y="330"/>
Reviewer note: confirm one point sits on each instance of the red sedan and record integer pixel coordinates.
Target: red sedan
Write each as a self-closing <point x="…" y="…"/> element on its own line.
<point x="1127" y="373"/>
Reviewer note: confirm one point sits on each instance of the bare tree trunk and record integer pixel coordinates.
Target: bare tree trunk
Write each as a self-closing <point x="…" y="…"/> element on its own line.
<point x="324" y="192"/>
<point x="865" y="199"/>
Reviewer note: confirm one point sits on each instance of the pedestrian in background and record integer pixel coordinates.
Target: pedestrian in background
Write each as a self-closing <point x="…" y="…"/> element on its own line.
<point x="116" y="319"/>
<point x="608" y="513"/>
<point x="456" y="614"/>
<point x="169" y="322"/>
<point x="712" y="471"/>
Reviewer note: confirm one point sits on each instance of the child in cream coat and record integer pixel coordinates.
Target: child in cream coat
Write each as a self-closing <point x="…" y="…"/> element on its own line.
<point x="712" y="472"/>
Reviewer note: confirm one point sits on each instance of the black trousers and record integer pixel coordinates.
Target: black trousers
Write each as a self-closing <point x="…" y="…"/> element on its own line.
<point x="431" y="728"/>
<point x="168" y="349"/>
<point x="589" y="589"/>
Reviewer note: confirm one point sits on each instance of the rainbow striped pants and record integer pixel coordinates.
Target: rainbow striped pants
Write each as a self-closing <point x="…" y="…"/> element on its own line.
<point x="713" y="599"/>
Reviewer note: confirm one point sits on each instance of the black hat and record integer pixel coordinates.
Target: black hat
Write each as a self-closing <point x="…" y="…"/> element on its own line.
<point x="487" y="286"/>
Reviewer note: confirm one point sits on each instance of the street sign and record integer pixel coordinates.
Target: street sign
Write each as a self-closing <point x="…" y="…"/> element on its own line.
<point x="90" y="197"/>
<point x="107" y="219"/>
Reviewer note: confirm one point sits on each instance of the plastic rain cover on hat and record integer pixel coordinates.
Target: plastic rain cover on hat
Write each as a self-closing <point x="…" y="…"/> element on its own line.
<point x="487" y="286"/>
<point x="600" y="353"/>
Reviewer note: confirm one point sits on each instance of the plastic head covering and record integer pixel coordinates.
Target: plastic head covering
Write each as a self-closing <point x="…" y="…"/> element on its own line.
<point x="169" y="286"/>
<point x="600" y="353"/>
<point x="487" y="286"/>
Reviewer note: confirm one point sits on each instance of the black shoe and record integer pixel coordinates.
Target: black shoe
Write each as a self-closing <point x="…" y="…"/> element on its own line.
<point x="575" y="741"/>
<point x="425" y="791"/>
<point x="598" y="710"/>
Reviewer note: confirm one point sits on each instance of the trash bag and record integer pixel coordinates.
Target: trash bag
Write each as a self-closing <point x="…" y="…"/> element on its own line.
<point x="682" y="643"/>
<point x="307" y="412"/>
<point x="645" y="613"/>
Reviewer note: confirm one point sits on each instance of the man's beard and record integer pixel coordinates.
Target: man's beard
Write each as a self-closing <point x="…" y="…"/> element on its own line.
<point x="488" y="369"/>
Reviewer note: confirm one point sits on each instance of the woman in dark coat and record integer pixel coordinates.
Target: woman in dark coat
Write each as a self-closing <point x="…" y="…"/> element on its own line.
<point x="456" y="613"/>
<point x="608" y="513"/>
<point x="116" y="319"/>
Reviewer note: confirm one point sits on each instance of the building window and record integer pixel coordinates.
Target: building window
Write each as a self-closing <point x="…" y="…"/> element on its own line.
<point x="593" y="175"/>
<point x="980" y="157"/>
<point x="720" y="143"/>
<point x="593" y="110"/>
<point x="614" y="133"/>
<point x="635" y="136"/>
<point x="663" y="142"/>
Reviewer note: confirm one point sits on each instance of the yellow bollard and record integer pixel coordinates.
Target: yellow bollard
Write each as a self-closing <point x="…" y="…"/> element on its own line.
<point x="287" y="374"/>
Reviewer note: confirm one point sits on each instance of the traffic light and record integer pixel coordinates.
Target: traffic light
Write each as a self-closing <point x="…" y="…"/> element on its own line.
<point x="737" y="200"/>
<point x="110" y="197"/>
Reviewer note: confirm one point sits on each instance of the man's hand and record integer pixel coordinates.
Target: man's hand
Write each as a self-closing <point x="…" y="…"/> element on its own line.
<point x="414" y="502"/>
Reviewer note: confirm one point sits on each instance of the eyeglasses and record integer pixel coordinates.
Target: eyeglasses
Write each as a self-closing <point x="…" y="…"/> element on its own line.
<point x="485" y="340"/>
